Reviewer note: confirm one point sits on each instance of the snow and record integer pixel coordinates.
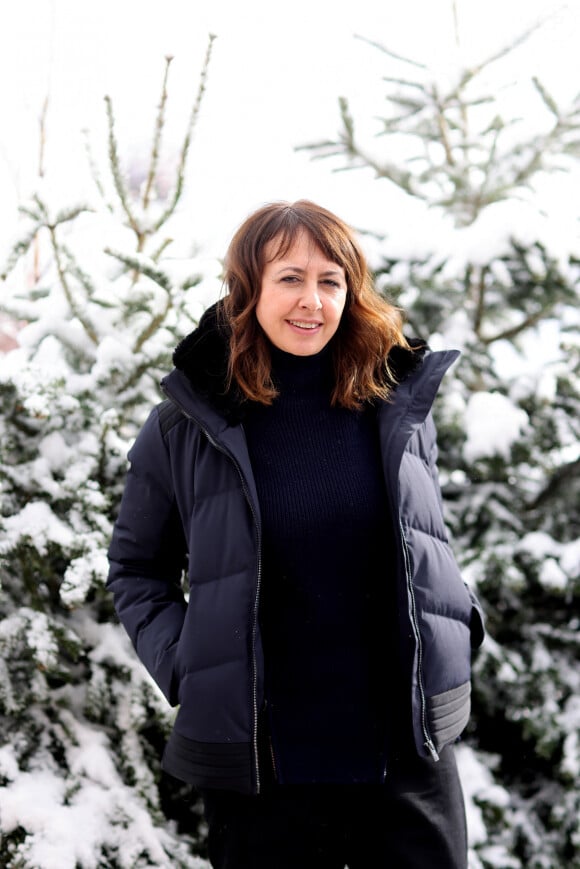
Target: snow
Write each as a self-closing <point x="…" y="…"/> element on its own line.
<point x="81" y="572"/>
<point x="37" y="522"/>
<point x="67" y="830"/>
<point x="559" y="563"/>
<point x="552" y="576"/>
<point x="480" y="792"/>
<point x="571" y="761"/>
<point x="493" y="423"/>
<point x="34" y="627"/>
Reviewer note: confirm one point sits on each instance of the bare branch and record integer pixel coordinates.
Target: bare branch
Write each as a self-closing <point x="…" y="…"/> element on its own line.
<point x="527" y="323"/>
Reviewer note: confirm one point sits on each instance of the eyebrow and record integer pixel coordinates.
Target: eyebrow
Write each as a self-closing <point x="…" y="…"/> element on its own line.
<point x="338" y="271"/>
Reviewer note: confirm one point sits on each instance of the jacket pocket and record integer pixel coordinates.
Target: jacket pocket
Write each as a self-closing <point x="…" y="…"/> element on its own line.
<point x="449" y="713"/>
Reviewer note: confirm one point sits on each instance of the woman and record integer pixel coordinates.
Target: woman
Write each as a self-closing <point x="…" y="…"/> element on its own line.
<point x="321" y="663"/>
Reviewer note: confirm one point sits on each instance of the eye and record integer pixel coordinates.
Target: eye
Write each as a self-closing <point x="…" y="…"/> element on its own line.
<point x="331" y="284"/>
<point x="290" y="279"/>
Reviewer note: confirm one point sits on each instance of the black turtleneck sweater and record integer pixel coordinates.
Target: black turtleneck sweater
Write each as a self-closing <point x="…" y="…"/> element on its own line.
<point x="326" y="577"/>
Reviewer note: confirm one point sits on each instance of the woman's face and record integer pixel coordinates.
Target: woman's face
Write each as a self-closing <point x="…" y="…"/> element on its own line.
<point x="302" y="297"/>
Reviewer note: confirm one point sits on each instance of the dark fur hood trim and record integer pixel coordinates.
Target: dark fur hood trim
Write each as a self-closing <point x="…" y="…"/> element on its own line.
<point x="403" y="362"/>
<point x="203" y="357"/>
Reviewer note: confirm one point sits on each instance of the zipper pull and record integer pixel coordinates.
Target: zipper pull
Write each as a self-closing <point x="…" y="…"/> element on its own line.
<point x="432" y="750"/>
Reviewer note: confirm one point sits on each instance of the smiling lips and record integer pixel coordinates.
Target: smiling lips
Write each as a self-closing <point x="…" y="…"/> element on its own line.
<point x="301" y="324"/>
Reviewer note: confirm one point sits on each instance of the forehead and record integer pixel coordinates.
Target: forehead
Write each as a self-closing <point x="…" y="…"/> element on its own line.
<point x="285" y="246"/>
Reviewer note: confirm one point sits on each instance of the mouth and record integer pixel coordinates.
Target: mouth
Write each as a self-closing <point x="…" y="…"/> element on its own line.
<point x="304" y="325"/>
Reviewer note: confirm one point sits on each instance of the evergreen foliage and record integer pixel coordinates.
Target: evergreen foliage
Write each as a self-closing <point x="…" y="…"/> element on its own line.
<point x="508" y="427"/>
<point x="104" y="301"/>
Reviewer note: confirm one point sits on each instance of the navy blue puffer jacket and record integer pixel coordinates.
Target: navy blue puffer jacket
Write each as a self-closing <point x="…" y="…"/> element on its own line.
<point x="190" y="504"/>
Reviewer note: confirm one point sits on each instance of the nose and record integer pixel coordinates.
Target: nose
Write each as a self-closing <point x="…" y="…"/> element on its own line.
<point x="310" y="298"/>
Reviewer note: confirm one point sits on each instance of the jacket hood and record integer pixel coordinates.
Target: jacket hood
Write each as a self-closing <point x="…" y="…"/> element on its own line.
<point x="203" y="357"/>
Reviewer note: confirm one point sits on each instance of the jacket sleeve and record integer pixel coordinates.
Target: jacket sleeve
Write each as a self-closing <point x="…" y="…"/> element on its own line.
<point x="147" y="556"/>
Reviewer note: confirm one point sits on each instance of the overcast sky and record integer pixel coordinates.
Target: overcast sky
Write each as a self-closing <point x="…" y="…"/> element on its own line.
<point x="275" y="76"/>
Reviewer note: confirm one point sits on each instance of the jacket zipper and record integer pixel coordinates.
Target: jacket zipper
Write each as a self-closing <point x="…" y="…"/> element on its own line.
<point x="255" y="613"/>
<point x="428" y="742"/>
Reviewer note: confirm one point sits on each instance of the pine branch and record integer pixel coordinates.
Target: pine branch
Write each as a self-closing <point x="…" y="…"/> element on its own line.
<point x="61" y="270"/>
<point x="143" y="369"/>
<point x="157" y="276"/>
<point x="41" y="155"/>
<point x="405" y="82"/>
<point x="414" y="106"/>
<point x="190" y="282"/>
<point x="480" y="198"/>
<point x="560" y="478"/>
<point x="42" y="209"/>
<point x="159" y="125"/>
<point x="326" y="148"/>
<point x="154" y="324"/>
<point x="480" y="288"/>
<point x="29" y="211"/>
<point x="547" y="99"/>
<point x="139" y="266"/>
<point x="180" y="175"/>
<point x="19" y="249"/>
<point x="142" y="267"/>
<point x="95" y="173"/>
<point x="389" y="52"/>
<point x="347" y="126"/>
<point x="472" y="72"/>
<point x="75" y="269"/>
<point x="68" y="214"/>
<point x="348" y="145"/>
<point x="118" y="181"/>
<point x="443" y="129"/>
<point x="156" y="255"/>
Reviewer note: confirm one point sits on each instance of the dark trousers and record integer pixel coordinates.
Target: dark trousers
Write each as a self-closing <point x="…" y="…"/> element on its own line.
<point x="416" y="820"/>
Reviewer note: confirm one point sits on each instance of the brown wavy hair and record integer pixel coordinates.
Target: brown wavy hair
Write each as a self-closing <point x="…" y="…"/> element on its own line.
<point x="370" y="326"/>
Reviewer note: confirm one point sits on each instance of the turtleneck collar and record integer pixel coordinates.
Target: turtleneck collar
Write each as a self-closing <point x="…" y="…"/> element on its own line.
<point x="293" y="374"/>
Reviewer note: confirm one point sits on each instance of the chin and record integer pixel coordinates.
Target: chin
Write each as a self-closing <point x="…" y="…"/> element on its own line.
<point x="300" y="349"/>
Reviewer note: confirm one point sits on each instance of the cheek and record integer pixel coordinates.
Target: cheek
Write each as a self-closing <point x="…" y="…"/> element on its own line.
<point x="266" y="310"/>
<point x="337" y="307"/>
<point x="272" y="305"/>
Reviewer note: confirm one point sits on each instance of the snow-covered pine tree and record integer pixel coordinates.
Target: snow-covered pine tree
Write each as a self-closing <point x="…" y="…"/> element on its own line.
<point x="104" y="293"/>
<point x="498" y="276"/>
